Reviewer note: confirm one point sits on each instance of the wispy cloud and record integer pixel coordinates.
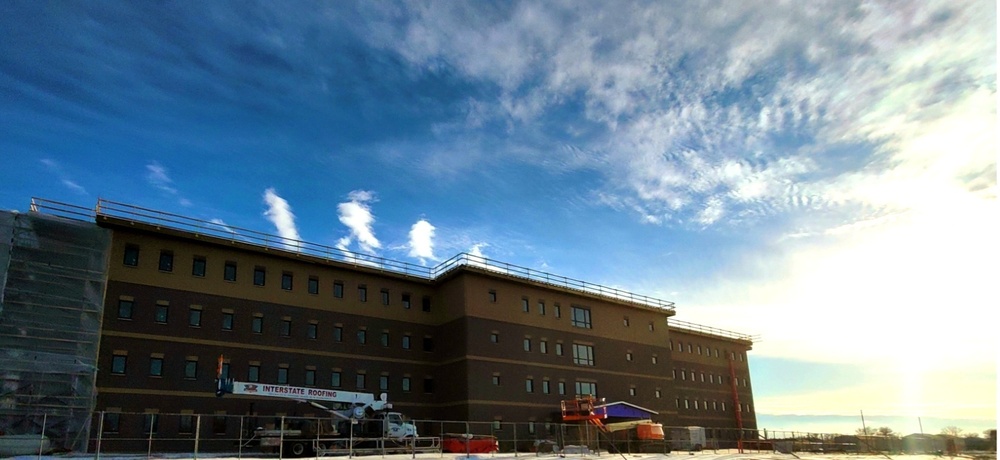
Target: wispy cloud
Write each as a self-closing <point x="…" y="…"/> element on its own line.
<point x="421" y="242"/>
<point x="357" y="215"/>
<point x="280" y="214"/>
<point x="56" y="169"/>
<point x="158" y="177"/>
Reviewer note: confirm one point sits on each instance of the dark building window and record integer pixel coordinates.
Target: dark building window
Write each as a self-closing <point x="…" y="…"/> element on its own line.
<point x="166" y="261"/>
<point x="112" y="420"/>
<point x="362" y="336"/>
<point x="185" y="424"/>
<point x="229" y="272"/>
<point x="338" y="290"/>
<point x="545" y="387"/>
<point x="150" y="423"/>
<point x="406" y="384"/>
<point x="283" y="375"/>
<point x="524" y="305"/>
<point x="257" y="325"/>
<point x="338" y="334"/>
<point x="493" y="296"/>
<point x="529" y="385"/>
<point x="131" y="255"/>
<point x="557" y="310"/>
<point x="335" y="379"/>
<point x="360" y="381"/>
<point x="286" y="281"/>
<point x="286" y="328"/>
<point x="219" y="424"/>
<point x="385" y="297"/>
<point x="227" y="321"/>
<point x="310" y="377"/>
<point x="496" y="380"/>
<point x="198" y="266"/>
<point x="426" y="303"/>
<point x="562" y="388"/>
<point x="383" y="382"/>
<point x="258" y="276"/>
<point x="541" y="307"/>
<point x="581" y="317"/>
<point x="494" y="337"/>
<point x="406" y="301"/>
<point x="363" y="293"/>
<point x="194" y="317"/>
<point x="253" y="373"/>
<point x="156" y="367"/>
<point x="312" y="331"/>
<point x="385" y="339"/>
<point x="161" y="313"/>
<point x="406" y="342"/>
<point x="428" y="344"/>
<point x="428" y="385"/>
<point x="559" y="350"/>
<point x="125" y="309"/>
<point x="191" y="369"/>
<point x="313" y="285"/>
<point x="586" y="388"/>
<point x="527" y="344"/>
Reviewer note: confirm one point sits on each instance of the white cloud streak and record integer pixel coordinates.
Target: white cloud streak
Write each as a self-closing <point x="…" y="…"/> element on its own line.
<point x="357" y="215"/>
<point x="280" y="214"/>
<point x="157" y="176"/>
<point x="57" y="170"/>
<point x="421" y="242"/>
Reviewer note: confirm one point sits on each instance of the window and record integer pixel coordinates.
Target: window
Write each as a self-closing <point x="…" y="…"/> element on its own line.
<point x="581" y="317"/>
<point x="652" y="327"/>
<point x="702" y="375"/>
<point x="583" y="355"/>
<point x="385" y="339"/>
<point x="310" y="377"/>
<point x="112" y="420"/>
<point x="363" y="293"/>
<point x="131" y="255"/>
<point x="338" y="289"/>
<point x="723" y="406"/>
<point x="586" y="388"/>
<point x="657" y="393"/>
<point x="150" y="423"/>
<point x="156" y="366"/>
<point x="283" y="374"/>
<point x="383" y="382"/>
<point x="527" y="344"/>
<point x="545" y="387"/>
<point x="335" y="379"/>
<point x="229" y="272"/>
<point x="494" y="337"/>
<point x="541" y="307"/>
<point x="359" y="381"/>
<point x="628" y="356"/>
<point x="529" y="385"/>
<point x="186" y="424"/>
<point x="191" y="368"/>
<point x="673" y="374"/>
<point x="543" y="346"/>
<point x="687" y="404"/>
<point x="338" y="334"/>
<point x="406" y="384"/>
<point x="219" y="424"/>
<point x="406" y="342"/>
<point x="716" y="352"/>
<point x="680" y="346"/>
<point x="625" y="321"/>
<point x="562" y="388"/>
<point x="744" y="382"/>
<point x="227" y="321"/>
<point x="313" y="285"/>
<point x="225" y="371"/>
<point x="166" y="261"/>
<point x="312" y="331"/>
<point x="690" y="350"/>
<point x="118" y="363"/>
<point x="198" y="265"/>
<point x="496" y="380"/>
<point x="125" y="309"/>
<point x="684" y="375"/>
<point x="286" y="281"/>
<point x="259" y="274"/>
<point x="426" y="303"/>
<point x="654" y="359"/>
<point x="428" y="384"/>
<point x="161" y="313"/>
<point x="493" y="296"/>
<point x="428" y="344"/>
<point x="715" y="405"/>
<point x="286" y="328"/>
<point x="406" y="301"/>
<point x="559" y="351"/>
<point x="194" y="316"/>
<point x="557" y="310"/>
<point x="362" y="336"/>
<point x="699" y="349"/>
<point x="631" y="391"/>
<point x="524" y="305"/>
<point x="385" y="296"/>
<point x="257" y="325"/>
<point x="253" y="373"/>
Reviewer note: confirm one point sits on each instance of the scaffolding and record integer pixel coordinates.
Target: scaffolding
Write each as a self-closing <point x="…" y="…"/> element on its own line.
<point x="52" y="280"/>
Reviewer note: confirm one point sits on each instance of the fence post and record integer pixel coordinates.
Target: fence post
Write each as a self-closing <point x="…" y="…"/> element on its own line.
<point x="149" y="439"/>
<point x="100" y="431"/>
<point x="281" y="438"/>
<point x="514" y="424"/>
<point x="41" y="437"/>
<point x="239" y="451"/>
<point x="197" y="433"/>
<point x="468" y="438"/>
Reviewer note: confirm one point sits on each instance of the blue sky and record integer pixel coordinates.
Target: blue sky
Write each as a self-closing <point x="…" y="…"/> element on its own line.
<point x="821" y="174"/>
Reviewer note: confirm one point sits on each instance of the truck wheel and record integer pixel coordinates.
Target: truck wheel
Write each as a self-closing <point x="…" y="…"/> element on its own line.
<point x="297" y="449"/>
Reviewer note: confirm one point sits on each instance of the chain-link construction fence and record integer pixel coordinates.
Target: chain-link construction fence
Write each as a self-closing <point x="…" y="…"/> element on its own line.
<point x="252" y="436"/>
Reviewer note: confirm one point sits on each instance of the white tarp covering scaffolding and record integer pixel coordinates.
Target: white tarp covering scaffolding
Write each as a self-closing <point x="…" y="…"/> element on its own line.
<point x="52" y="279"/>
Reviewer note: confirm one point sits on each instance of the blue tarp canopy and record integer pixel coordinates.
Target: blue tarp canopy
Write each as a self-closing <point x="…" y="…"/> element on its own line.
<point x="622" y="409"/>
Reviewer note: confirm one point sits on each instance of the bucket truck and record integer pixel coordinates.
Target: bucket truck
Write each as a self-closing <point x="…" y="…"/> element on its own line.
<point x="358" y="415"/>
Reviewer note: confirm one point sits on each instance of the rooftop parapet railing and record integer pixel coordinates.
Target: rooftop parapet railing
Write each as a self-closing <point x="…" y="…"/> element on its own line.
<point x="712" y="331"/>
<point x="221" y="230"/>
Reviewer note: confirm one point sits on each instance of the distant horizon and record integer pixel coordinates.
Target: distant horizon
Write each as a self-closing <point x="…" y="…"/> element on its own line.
<point x="846" y="424"/>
